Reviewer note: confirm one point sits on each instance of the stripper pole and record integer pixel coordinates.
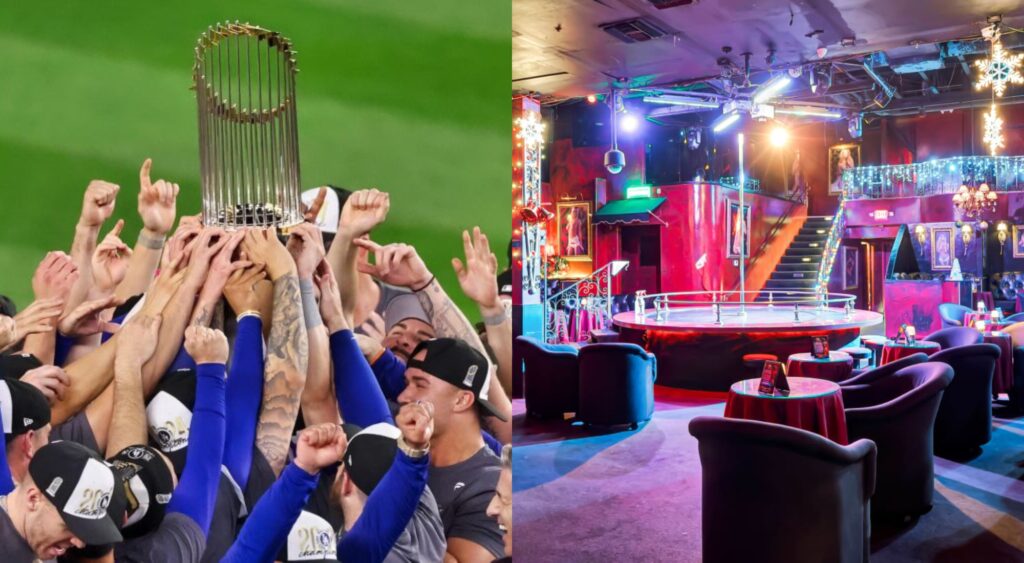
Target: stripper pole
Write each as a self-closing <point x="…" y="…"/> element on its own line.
<point x="742" y="231"/>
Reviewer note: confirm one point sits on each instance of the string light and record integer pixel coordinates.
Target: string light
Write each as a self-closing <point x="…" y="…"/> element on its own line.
<point x="531" y="129"/>
<point x="937" y="176"/>
<point x="999" y="69"/>
<point x="993" y="131"/>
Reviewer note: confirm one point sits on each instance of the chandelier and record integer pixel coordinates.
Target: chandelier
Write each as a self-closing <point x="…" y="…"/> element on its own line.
<point x="973" y="202"/>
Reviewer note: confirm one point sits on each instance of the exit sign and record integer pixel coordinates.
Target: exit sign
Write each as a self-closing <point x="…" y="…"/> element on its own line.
<point x="638" y="191"/>
<point x="881" y="214"/>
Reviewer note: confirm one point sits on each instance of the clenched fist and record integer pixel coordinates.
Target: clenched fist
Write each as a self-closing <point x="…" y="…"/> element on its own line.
<point x="416" y="421"/>
<point x="364" y="210"/>
<point x="98" y="204"/>
<point x="319" y="446"/>
<point x="206" y="345"/>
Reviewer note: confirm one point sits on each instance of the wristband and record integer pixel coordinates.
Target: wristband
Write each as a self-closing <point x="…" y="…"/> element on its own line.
<point x="150" y="242"/>
<point x="310" y="310"/>
<point x="495" y="320"/>
<point x="249" y="313"/>
<point x="414" y="453"/>
<point x="426" y="285"/>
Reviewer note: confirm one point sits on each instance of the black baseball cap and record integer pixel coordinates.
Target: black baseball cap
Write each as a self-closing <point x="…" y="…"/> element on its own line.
<point x="169" y="415"/>
<point x="147" y="484"/>
<point x="15" y="365"/>
<point x="460" y="364"/>
<point x="80" y="485"/>
<point x="370" y="454"/>
<point x="22" y="407"/>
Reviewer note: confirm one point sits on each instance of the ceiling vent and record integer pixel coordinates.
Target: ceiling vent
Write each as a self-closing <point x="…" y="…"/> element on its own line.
<point x="663" y="4"/>
<point x="635" y="30"/>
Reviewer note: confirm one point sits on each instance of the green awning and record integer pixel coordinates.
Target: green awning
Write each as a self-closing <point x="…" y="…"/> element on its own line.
<point x="635" y="210"/>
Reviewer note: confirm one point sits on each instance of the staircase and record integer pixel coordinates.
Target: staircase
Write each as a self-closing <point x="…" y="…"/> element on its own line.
<point x="798" y="268"/>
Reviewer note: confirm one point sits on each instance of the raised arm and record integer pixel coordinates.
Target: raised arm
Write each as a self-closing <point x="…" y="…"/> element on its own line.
<point x="40" y="316"/>
<point x="221" y="268"/>
<point x="157" y="208"/>
<point x="128" y="418"/>
<point x="53" y="279"/>
<point x="363" y="210"/>
<point x="97" y="207"/>
<point x="287" y="348"/>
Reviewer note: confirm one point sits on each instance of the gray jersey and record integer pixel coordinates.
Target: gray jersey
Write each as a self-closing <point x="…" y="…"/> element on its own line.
<point x="463" y="492"/>
<point x="76" y="429"/>
<point x="14" y="547"/>
<point x="422" y="541"/>
<point x="177" y="540"/>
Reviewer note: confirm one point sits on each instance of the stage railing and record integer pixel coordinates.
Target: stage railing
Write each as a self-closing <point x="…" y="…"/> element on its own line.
<point x="932" y="177"/>
<point x="832" y="244"/>
<point x="716" y="300"/>
<point x="592" y="294"/>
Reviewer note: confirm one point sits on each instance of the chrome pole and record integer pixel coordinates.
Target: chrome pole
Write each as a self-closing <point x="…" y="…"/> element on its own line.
<point x="742" y="231"/>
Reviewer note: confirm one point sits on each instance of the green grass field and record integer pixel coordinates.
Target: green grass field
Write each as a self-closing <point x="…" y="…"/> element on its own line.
<point x="406" y="97"/>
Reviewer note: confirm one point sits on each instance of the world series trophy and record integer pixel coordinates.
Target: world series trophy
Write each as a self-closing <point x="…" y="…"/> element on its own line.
<point x="244" y="79"/>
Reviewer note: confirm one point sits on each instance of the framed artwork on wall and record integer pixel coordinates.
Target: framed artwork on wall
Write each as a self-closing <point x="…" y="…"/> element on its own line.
<point x="732" y="224"/>
<point x="841" y="158"/>
<point x="851" y="261"/>
<point x="1018" y="241"/>
<point x="942" y="248"/>
<point x="574" y="230"/>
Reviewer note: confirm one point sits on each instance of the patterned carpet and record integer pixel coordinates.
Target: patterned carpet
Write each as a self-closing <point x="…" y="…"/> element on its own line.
<point x="635" y="496"/>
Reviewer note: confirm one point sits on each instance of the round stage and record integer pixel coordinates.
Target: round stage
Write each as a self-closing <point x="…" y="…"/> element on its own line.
<point x="696" y="352"/>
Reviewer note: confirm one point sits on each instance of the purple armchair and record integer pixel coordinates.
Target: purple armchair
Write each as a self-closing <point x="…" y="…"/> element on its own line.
<point x="952" y="314"/>
<point x="867" y="376"/>
<point x="955" y="336"/>
<point x="616" y="384"/>
<point x="792" y="495"/>
<point x="964" y="422"/>
<point x="897" y="412"/>
<point x="550" y="377"/>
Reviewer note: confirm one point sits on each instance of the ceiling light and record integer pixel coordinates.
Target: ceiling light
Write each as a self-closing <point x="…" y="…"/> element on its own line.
<point x="680" y="101"/>
<point x="771" y="88"/>
<point x="724" y="122"/>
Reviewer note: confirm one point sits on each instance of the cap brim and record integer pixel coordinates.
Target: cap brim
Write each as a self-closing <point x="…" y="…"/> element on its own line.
<point x="93" y="532"/>
<point x="491" y="409"/>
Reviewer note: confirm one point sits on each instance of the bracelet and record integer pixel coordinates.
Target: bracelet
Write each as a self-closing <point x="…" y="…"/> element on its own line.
<point x="249" y="313"/>
<point x="414" y="453"/>
<point x="426" y="285"/>
<point x="150" y="242"/>
<point x="495" y="320"/>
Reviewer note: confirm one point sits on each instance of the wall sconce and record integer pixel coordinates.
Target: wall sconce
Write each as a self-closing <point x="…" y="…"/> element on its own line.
<point x="1001" y="235"/>
<point x="966" y="232"/>
<point x="920" y="231"/>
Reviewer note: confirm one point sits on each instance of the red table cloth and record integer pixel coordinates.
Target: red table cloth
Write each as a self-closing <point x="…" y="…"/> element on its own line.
<point x="813" y="404"/>
<point x="893" y="351"/>
<point x="837" y="367"/>
<point x="971" y="318"/>
<point x="985" y="297"/>
<point x="1002" y="380"/>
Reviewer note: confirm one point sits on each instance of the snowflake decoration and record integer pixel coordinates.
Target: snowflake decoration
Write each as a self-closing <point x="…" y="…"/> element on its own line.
<point x="999" y="70"/>
<point x="531" y="129"/>
<point x="993" y="131"/>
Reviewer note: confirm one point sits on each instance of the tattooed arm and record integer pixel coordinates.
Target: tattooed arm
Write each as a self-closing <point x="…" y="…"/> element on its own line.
<point x="287" y="348"/>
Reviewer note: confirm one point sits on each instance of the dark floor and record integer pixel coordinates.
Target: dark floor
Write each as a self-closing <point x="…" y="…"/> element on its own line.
<point x="635" y="496"/>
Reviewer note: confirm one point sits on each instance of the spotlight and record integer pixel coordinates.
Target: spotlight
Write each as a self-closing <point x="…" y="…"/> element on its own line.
<point x="592" y="99"/>
<point x="724" y="122"/>
<point x="614" y="161"/>
<point x="630" y="123"/>
<point x="779" y="136"/>
<point x="855" y="126"/>
<point x="693" y="139"/>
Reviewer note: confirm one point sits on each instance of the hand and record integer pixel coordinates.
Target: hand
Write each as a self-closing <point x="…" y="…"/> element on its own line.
<point x="206" y="345"/>
<point x="369" y="347"/>
<point x="223" y="267"/>
<point x="306" y="246"/>
<point x="55" y="276"/>
<point x="479" y="276"/>
<point x="247" y="290"/>
<point x="416" y="421"/>
<point x="99" y="201"/>
<point x="180" y="243"/>
<point x="364" y="210"/>
<point x="85" y="319"/>
<point x="396" y="264"/>
<point x="309" y="213"/>
<point x="207" y="245"/>
<point x="156" y="201"/>
<point x="110" y="261"/>
<point x="137" y="341"/>
<point x="331" y="310"/>
<point x="263" y="248"/>
<point x="320" y="446"/>
<point x="40" y="316"/>
<point x="50" y="380"/>
<point x="165" y="286"/>
<point x="374" y="327"/>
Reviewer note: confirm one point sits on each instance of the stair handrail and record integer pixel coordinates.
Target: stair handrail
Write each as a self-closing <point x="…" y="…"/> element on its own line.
<point x="799" y="197"/>
<point x="832" y="244"/>
<point x="570" y="298"/>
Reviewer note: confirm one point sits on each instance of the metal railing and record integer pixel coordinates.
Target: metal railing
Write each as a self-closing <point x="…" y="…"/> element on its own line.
<point x="832" y="244"/>
<point x="820" y="301"/>
<point x="797" y="198"/>
<point x="933" y="177"/>
<point x="592" y="293"/>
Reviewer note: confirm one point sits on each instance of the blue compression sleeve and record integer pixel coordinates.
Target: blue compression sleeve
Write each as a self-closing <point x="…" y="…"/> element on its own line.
<point x="182" y="361"/>
<point x="390" y="373"/>
<point x="244" y="395"/>
<point x="267" y="527"/>
<point x="196" y="492"/>
<point x="359" y="396"/>
<point x="6" y="482"/>
<point x="388" y="510"/>
<point x="491" y="442"/>
<point x="62" y="347"/>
